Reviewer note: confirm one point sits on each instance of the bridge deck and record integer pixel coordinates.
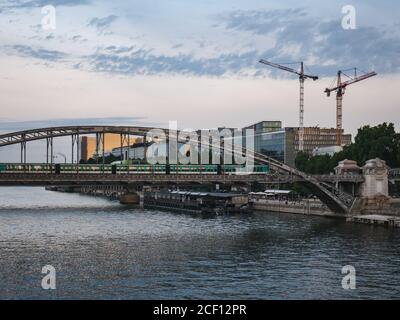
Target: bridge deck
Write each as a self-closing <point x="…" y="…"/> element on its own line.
<point x="335" y="198"/>
<point x="37" y="179"/>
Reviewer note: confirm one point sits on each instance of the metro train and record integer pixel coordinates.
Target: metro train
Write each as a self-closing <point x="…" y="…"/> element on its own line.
<point x="126" y="169"/>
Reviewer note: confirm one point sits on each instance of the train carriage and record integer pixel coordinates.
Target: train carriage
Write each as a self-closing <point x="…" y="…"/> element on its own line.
<point x="128" y="169"/>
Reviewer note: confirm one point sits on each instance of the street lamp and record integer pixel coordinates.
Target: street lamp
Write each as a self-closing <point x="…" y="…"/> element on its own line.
<point x="62" y="155"/>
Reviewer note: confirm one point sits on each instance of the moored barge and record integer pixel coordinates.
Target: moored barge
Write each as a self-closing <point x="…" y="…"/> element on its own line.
<point x="217" y="203"/>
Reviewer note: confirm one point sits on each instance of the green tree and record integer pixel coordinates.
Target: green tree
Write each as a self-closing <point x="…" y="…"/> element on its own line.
<point x="380" y="141"/>
<point x="314" y="165"/>
<point x="302" y="160"/>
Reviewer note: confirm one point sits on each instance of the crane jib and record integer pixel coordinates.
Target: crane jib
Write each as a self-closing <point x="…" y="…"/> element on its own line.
<point x="351" y="81"/>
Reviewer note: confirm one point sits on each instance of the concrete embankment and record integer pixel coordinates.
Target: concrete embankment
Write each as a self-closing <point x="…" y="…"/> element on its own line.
<point x="389" y="217"/>
<point x="379" y="214"/>
<point x="303" y="207"/>
<point x="376" y="220"/>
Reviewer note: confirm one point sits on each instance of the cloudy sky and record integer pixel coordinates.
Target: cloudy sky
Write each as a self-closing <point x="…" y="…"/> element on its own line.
<point x="193" y="61"/>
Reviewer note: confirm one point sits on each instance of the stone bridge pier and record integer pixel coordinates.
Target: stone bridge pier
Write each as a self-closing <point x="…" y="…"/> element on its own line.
<point x="374" y="191"/>
<point x="133" y="195"/>
<point x="349" y="168"/>
<point x="372" y="195"/>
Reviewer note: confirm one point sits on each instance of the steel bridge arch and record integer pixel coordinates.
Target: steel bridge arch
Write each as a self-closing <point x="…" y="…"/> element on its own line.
<point x="335" y="199"/>
<point x="54" y="132"/>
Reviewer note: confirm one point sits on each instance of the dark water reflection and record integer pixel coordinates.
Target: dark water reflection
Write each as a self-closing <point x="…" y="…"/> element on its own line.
<point x="102" y="250"/>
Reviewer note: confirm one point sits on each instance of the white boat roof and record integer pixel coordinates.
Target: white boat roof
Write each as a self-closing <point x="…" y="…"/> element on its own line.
<point x="278" y="191"/>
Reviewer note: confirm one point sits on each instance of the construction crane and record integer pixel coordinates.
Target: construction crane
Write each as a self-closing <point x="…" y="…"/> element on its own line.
<point x="340" y="89"/>
<point x="302" y="77"/>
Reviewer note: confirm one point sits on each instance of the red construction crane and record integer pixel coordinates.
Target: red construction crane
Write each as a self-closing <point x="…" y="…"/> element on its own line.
<point x="302" y="77"/>
<point x="340" y="89"/>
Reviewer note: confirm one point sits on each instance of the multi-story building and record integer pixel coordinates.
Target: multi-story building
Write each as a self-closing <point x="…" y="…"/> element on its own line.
<point x="271" y="129"/>
<point x="265" y="126"/>
<point x="140" y="151"/>
<point x="331" y="150"/>
<point x="111" y="141"/>
<point x="133" y="152"/>
<point x="283" y="143"/>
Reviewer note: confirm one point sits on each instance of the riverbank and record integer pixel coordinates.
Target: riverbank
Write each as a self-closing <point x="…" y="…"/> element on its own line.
<point x="376" y="220"/>
<point x="224" y="203"/>
<point x="312" y="207"/>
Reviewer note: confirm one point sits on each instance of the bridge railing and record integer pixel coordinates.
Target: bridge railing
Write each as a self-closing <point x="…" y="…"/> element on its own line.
<point x="49" y="133"/>
<point x="394" y="173"/>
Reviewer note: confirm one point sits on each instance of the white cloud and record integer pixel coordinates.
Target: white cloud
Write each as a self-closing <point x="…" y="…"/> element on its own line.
<point x="190" y="60"/>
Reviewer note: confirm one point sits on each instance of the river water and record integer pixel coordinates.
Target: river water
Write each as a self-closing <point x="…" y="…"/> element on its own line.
<point x="102" y="250"/>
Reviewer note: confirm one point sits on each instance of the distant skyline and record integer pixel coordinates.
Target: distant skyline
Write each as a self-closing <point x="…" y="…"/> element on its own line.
<point x="194" y="62"/>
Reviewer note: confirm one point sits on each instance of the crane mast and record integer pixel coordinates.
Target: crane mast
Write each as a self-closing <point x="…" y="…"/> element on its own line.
<point x="339" y="110"/>
<point x="302" y="77"/>
<point x="301" y="115"/>
<point x="340" y="90"/>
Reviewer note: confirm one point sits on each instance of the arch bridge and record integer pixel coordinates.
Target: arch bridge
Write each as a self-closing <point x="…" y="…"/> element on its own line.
<point x="336" y="199"/>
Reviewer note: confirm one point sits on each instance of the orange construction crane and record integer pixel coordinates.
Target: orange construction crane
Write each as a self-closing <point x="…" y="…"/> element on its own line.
<point x="340" y="89"/>
<point x="302" y="77"/>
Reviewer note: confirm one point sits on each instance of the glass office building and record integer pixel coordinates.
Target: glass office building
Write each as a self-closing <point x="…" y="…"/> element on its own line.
<point x="269" y="139"/>
<point x="271" y="144"/>
<point x="282" y="144"/>
<point x="265" y="126"/>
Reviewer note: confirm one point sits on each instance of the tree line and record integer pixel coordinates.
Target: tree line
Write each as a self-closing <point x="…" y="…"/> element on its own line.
<point x="379" y="141"/>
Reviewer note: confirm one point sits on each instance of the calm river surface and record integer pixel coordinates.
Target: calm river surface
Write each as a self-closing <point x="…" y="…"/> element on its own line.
<point x="102" y="250"/>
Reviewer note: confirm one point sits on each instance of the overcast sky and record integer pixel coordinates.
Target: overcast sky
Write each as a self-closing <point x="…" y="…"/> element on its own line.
<point x="194" y="61"/>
